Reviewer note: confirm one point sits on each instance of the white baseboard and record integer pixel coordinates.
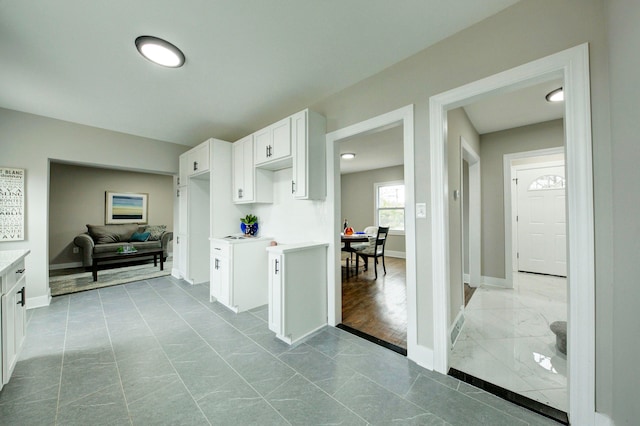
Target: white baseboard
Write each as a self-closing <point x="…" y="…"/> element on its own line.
<point x="57" y="266"/>
<point x="421" y="355"/>
<point x="398" y="254"/>
<point x="496" y="282"/>
<point x="40" y="301"/>
<point x="601" y="419"/>
<point x="466" y="278"/>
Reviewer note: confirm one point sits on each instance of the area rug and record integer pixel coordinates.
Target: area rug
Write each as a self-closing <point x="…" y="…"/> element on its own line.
<point x="82" y="281"/>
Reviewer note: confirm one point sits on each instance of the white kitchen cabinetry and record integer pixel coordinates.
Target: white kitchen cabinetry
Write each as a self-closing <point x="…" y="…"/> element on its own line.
<point x="198" y="159"/>
<point x="205" y="208"/>
<point x="273" y="146"/>
<point x="250" y="185"/>
<point x="13" y="309"/>
<point x="308" y="131"/>
<point x="297" y="290"/>
<point x="238" y="272"/>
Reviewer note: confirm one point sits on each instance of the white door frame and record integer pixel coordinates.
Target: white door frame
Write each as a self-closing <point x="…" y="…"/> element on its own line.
<point x="510" y="234"/>
<point x="403" y="116"/>
<point x="572" y="66"/>
<point x="475" y="231"/>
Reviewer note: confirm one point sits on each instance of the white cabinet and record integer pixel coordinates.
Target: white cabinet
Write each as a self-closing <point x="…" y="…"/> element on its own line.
<point x="250" y="185"/>
<point x="297" y="290"/>
<point x="308" y="130"/>
<point x="273" y="145"/>
<point x="13" y="309"/>
<point x="198" y="159"/>
<point x="183" y="176"/>
<point x="238" y="273"/>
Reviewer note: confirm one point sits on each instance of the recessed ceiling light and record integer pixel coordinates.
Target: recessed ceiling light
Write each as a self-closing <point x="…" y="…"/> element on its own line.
<point x="160" y="51"/>
<point x="348" y="156"/>
<point x="555" y="96"/>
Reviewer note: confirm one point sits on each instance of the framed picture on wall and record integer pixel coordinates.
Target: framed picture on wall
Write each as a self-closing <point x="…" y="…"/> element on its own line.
<point x="125" y="207"/>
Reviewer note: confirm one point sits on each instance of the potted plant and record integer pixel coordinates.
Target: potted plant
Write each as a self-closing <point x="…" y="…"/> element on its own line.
<point x="249" y="225"/>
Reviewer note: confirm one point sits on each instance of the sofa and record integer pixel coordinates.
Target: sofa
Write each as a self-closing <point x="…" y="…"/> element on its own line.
<point x="109" y="238"/>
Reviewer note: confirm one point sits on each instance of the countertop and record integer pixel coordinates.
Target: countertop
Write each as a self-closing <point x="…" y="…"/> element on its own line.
<point x="283" y="248"/>
<point x="10" y="257"/>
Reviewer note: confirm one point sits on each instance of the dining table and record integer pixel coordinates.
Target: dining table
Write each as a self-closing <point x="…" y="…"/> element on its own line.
<point x="347" y="240"/>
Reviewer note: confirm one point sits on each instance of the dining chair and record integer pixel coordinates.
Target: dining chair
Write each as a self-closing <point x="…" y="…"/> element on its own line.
<point x="375" y="250"/>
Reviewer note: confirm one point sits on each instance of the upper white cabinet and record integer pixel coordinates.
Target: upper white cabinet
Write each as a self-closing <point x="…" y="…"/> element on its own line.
<point x="198" y="159"/>
<point x="309" y="168"/>
<point x="273" y="145"/>
<point x="249" y="185"/>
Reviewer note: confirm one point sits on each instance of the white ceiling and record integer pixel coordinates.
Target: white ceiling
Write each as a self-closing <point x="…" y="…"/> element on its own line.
<point x="249" y="62"/>
<point x="505" y="111"/>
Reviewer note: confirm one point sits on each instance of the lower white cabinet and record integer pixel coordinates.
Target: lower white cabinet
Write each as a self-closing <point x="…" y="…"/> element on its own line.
<point x="13" y="309"/>
<point x="238" y="277"/>
<point x="297" y="290"/>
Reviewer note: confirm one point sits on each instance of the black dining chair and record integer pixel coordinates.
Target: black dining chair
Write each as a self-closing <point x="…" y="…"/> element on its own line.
<point x="375" y="250"/>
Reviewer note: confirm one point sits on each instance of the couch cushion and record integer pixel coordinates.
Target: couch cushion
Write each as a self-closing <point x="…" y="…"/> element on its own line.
<point x="155" y="231"/>
<point x="103" y="234"/>
<point x="139" y="237"/>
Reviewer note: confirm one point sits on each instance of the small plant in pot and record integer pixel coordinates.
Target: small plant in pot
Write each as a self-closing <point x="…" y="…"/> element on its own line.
<point x="249" y="225"/>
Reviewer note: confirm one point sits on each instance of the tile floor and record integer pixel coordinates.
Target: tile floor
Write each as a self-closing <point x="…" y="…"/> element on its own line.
<point x="506" y="338"/>
<point x="157" y="352"/>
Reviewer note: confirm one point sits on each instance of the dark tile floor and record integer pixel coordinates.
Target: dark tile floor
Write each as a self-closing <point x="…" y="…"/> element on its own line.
<point x="157" y="352"/>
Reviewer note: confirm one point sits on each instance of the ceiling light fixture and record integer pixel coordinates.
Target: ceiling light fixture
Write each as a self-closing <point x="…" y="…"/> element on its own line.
<point x="348" y="156"/>
<point x="555" y="96"/>
<point x="160" y="51"/>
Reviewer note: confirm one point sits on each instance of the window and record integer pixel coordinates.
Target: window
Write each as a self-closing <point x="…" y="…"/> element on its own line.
<point x="547" y="182"/>
<point x="390" y="206"/>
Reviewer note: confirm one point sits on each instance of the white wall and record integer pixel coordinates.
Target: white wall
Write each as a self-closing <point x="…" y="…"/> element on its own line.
<point x="30" y="141"/>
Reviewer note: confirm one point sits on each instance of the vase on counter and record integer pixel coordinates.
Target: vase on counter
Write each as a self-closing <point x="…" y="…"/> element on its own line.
<point x="249" y="230"/>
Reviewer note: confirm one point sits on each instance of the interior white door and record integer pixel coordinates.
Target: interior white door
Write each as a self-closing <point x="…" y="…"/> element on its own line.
<point x="542" y="237"/>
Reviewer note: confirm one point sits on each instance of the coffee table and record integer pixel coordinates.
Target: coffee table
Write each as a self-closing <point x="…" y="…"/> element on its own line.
<point x="103" y="257"/>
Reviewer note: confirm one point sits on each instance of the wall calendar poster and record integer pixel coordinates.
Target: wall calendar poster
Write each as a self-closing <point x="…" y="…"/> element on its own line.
<point x="11" y="204"/>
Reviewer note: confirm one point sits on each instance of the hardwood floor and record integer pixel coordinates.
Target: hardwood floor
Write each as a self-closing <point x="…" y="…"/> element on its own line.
<point x="377" y="307"/>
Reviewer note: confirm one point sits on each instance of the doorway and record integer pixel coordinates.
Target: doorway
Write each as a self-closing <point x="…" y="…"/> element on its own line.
<point x="400" y="117"/>
<point x="572" y="67"/>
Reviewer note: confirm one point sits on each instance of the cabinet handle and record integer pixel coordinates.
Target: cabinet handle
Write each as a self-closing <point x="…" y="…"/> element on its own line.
<point x="239" y="193"/>
<point x="293" y="187"/>
<point x="277" y="270"/>
<point x="178" y="181"/>
<point x="178" y="239"/>
<point x="23" y="298"/>
<point x="20" y="271"/>
<point x="217" y="266"/>
<point x="195" y="166"/>
<point x="178" y="193"/>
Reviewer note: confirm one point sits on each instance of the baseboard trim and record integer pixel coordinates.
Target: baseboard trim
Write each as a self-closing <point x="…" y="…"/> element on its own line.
<point x="602" y="419"/>
<point x="421" y="355"/>
<point x="57" y="266"/>
<point x="398" y="254"/>
<point x="466" y="279"/>
<point x="496" y="282"/>
<point x="40" y="301"/>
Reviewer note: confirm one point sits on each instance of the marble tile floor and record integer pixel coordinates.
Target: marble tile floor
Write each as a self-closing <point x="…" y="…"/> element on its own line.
<point x="156" y="352"/>
<point x="506" y="338"/>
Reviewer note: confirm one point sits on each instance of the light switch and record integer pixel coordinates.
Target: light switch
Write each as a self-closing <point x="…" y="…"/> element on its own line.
<point x="421" y="210"/>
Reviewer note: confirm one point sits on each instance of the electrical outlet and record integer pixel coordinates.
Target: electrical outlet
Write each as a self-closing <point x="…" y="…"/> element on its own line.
<point x="76" y="250"/>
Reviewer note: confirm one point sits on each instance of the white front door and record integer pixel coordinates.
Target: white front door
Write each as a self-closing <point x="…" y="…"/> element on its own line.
<point x="542" y="239"/>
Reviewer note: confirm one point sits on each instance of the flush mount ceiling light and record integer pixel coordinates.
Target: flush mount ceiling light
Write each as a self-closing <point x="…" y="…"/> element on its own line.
<point x="160" y="51"/>
<point x="555" y="96"/>
<point x="348" y="156"/>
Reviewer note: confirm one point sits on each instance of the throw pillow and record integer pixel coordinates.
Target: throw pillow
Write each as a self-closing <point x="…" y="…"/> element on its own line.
<point x="139" y="237"/>
<point x="155" y="231"/>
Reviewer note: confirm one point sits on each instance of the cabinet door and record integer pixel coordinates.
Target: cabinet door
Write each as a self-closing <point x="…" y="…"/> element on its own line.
<point x="299" y="147"/>
<point x="199" y="159"/>
<point x="262" y="143"/>
<point x="243" y="173"/>
<point x="220" y="280"/>
<point x="281" y="139"/>
<point x="184" y="170"/>
<point x="12" y="328"/>
<point x="275" y="293"/>
<point x="182" y="241"/>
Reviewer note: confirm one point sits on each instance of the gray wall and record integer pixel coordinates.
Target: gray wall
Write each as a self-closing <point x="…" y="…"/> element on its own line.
<point x="529" y="30"/>
<point x="493" y="147"/>
<point x="76" y="198"/>
<point x="358" y="200"/>
<point x="30" y="141"/>
<point x="624" y="33"/>
<point x="458" y="125"/>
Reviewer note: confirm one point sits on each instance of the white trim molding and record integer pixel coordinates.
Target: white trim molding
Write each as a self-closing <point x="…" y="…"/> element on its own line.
<point x="571" y="65"/>
<point x="57" y="266"/>
<point x="402" y="116"/>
